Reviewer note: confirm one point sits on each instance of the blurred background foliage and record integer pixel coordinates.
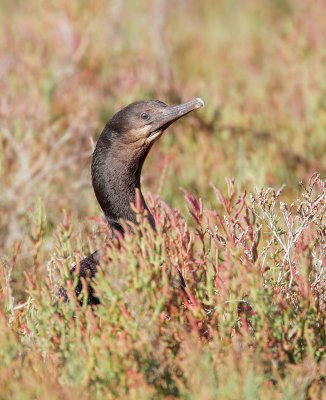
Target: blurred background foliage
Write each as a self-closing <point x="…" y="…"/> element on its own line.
<point x="66" y="67"/>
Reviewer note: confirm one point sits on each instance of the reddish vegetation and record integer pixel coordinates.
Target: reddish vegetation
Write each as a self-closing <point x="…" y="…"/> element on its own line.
<point x="251" y="322"/>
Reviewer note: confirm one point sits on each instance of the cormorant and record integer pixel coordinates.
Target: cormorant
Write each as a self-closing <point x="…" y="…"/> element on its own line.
<point x="117" y="163"/>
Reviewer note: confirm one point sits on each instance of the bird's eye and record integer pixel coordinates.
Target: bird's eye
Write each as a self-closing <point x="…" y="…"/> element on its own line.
<point x="144" y="116"/>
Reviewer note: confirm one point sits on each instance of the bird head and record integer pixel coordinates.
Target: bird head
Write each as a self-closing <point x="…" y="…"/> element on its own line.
<point x="122" y="149"/>
<point x="141" y="123"/>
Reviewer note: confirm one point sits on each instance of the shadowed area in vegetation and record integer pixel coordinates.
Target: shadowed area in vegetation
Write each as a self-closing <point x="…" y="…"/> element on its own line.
<point x="251" y="324"/>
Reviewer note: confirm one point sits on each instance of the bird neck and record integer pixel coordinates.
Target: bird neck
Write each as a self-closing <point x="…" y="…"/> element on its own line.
<point x="116" y="171"/>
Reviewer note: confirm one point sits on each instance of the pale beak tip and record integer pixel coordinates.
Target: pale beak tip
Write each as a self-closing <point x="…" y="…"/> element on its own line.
<point x="200" y="102"/>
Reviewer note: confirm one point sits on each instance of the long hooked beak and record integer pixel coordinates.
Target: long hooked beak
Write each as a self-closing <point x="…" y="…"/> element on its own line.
<point x="172" y="114"/>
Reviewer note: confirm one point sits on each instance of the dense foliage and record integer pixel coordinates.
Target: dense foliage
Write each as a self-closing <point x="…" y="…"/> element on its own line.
<point x="251" y="322"/>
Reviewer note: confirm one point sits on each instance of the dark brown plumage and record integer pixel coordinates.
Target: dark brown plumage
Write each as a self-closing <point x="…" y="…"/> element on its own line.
<point x="117" y="163"/>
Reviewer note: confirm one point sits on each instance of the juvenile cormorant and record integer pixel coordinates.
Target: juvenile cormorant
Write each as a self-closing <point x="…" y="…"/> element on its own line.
<point x="117" y="163"/>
